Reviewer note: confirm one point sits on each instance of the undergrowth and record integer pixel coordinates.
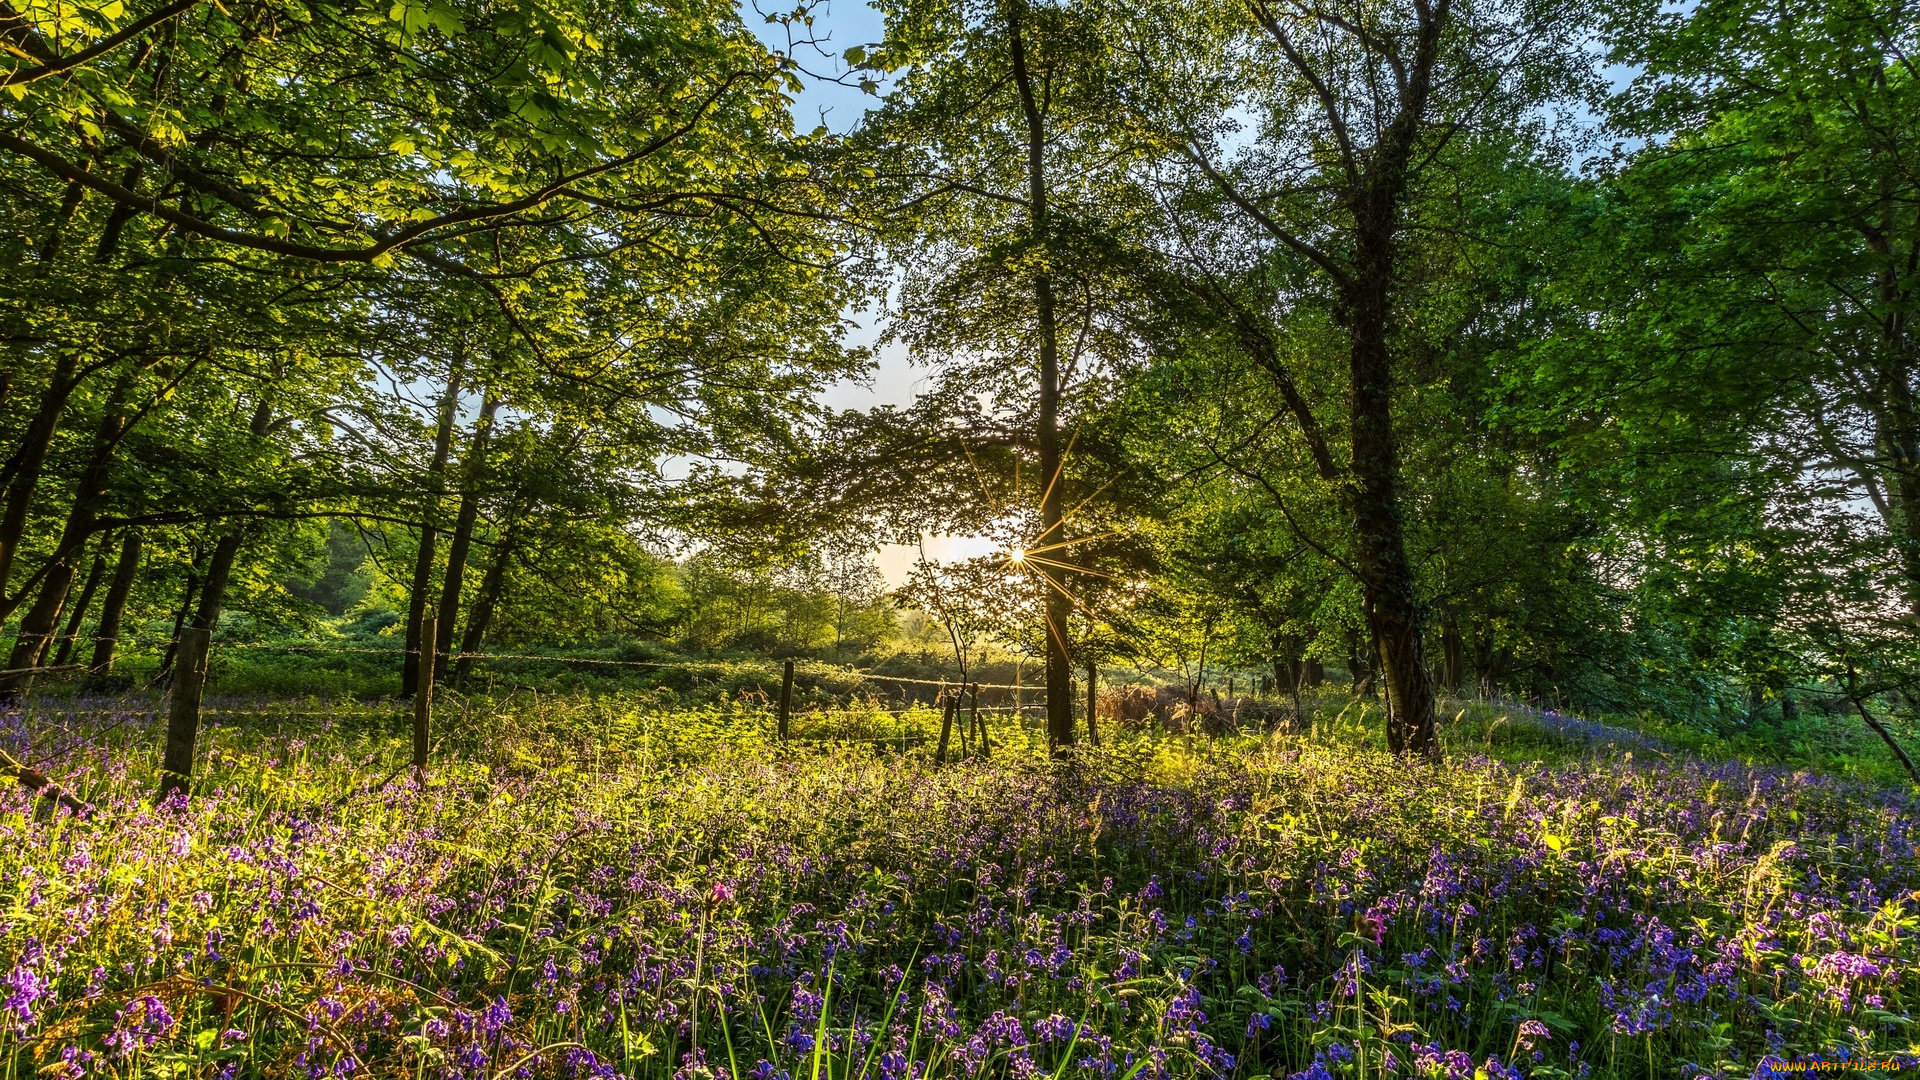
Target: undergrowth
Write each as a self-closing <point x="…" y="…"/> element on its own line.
<point x="603" y="887"/>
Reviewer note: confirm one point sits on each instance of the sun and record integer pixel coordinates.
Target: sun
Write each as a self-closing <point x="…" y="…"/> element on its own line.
<point x="1016" y="556"/>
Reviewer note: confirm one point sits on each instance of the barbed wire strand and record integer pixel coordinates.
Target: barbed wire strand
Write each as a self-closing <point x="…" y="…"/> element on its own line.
<point x="708" y="665"/>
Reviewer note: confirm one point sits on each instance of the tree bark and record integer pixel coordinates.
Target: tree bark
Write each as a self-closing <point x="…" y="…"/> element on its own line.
<point x="25" y="464"/>
<point x="462" y="541"/>
<point x="1897" y="433"/>
<point x="106" y="636"/>
<point x="37" y="626"/>
<point x="1093" y="703"/>
<point x="1371" y="183"/>
<point x="492" y="587"/>
<point x="57" y="228"/>
<point x="1359" y="667"/>
<point x="31" y="457"/>
<point x="1393" y="609"/>
<point x="213" y="591"/>
<point x="1886" y="736"/>
<point x="423" y="559"/>
<point x="1052" y="538"/>
<point x="79" y="612"/>
<point x="1452" y="668"/>
<point x="213" y="596"/>
<point x="189" y="590"/>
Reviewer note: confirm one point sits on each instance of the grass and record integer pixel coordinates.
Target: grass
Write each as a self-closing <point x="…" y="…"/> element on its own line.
<point x="610" y="886"/>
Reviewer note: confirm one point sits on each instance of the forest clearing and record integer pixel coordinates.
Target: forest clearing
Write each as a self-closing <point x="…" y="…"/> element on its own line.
<point x="959" y="539"/>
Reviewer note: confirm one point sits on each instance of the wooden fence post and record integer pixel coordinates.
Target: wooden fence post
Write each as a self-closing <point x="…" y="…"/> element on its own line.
<point x="786" y="700"/>
<point x="423" y="699"/>
<point x="946" y="724"/>
<point x="183" y="712"/>
<point x="986" y="744"/>
<point x="1093" y="702"/>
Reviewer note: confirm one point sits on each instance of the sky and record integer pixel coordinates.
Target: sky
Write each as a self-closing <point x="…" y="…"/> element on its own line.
<point x="840" y="25"/>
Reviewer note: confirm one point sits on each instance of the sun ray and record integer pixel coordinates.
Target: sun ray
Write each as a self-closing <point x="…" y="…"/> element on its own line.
<point x="1029" y="558"/>
<point x="1082" y="504"/>
<point x="1066" y="592"/>
<point x="1059" y="469"/>
<point x="1070" y="543"/>
<point x="1059" y="633"/>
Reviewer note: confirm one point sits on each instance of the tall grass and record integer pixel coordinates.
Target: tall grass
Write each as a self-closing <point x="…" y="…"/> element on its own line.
<point x="592" y="887"/>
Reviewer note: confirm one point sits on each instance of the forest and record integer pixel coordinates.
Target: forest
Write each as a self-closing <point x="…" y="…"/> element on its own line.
<point x="959" y="539"/>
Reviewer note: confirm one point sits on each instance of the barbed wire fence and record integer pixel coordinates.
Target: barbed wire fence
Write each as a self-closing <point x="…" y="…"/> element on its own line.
<point x="125" y="710"/>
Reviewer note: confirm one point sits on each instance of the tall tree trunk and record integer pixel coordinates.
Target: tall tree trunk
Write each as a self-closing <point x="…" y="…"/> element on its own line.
<point x="106" y="636"/>
<point x="49" y="251"/>
<point x="1393" y="610"/>
<point x="1897" y="432"/>
<point x="31" y="457"/>
<point x="56" y="229"/>
<point x="189" y="590"/>
<point x="492" y="587"/>
<point x="38" y="625"/>
<point x="1452" y="667"/>
<point x="80" y="607"/>
<point x="462" y="541"/>
<point x="213" y="591"/>
<point x="423" y="559"/>
<point x="1055" y="563"/>
<point x="213" y="596"/>
<point x="118" y="217"/>
<point x="1894" y="407"/>
<point x="1359" y="667"/>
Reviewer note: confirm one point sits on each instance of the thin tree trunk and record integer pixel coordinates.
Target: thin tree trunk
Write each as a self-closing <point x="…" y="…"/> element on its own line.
<point x="1293" y="688"/>
<point x="38" y="625"/>
<point x="188" y="592"/>
<point x="1451" y="649"/>
<point x="220" y="568"/>
<point x="106" y="636"/>
<point x="1093" y="703"/>
<point x="423" y="559"/>
<point x="213" y="592"/>
<point x="31" y="457"/>
<point x="118" y="217"/>
<point x="1393" y="611"/>
<point x="80" y="607"/>
<point x="56" y="229"/>
<point x="492" y="587"/>
<point x="1887" y="737"/>
<point x="49" y="251"/>
<point x="462" y="541"/>
<point x="1052" y="538"/>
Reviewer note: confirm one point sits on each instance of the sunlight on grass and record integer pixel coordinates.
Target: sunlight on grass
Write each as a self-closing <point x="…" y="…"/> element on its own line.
<point x="589" y="888"/>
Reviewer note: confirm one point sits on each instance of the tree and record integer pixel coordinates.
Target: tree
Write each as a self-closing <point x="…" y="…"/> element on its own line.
<point x="1361" y="113"/>
<point x="1005" y="197"/>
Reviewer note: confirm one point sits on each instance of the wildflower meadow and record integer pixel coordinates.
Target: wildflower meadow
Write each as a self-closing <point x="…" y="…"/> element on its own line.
<point x="590" y="888"/>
